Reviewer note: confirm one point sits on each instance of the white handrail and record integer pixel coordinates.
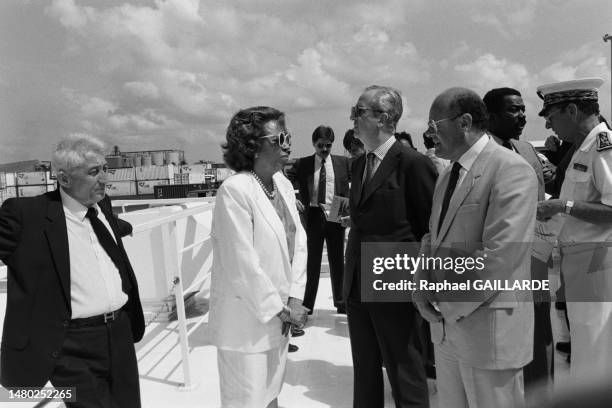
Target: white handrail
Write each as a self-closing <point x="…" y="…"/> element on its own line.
<point x="172" y="265"/>
<point x="166" y="219"/>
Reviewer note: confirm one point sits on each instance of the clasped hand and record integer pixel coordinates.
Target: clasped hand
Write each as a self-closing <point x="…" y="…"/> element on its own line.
<point x="297" y="315"/>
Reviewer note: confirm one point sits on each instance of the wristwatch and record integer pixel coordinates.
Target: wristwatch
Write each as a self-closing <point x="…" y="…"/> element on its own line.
<point x="568" y="206"/>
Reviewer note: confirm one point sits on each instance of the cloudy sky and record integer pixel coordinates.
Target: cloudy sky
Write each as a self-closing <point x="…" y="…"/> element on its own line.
<point x="159" y="74"/>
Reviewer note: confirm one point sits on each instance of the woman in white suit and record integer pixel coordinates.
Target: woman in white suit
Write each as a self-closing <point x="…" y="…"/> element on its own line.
<point x="259" y="266"/>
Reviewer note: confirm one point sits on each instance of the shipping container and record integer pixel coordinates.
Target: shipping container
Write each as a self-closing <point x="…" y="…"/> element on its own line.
<point x="121" y="174"/>
<point x="147" y="186"/>
<point x="31" y="191"/>
<point x="181" y="178"/>
<point x="30" y="178"/>
<point x="165" y="172"/>
<point x="10" y="179"/>
<point x="121" y="188"/>
<point x="195" y="168"/>
<point x="51" y="187"/>
<point x="181" y="190"/>
<point x="8" y="192"/>
<point x="2" y="180"/>
<point x="197" y="178"/>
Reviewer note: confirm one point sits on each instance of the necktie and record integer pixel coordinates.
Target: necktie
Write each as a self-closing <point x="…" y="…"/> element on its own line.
<point x="369" y="166"/>
<point x="452" y="183"/>
<point x="107" y="241"/>
<point x="321" y="190"/>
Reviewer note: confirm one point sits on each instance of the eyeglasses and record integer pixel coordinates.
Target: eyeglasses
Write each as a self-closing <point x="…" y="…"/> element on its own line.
<point x="357" y="111"/>
<point x="433" y="124"/>
<point x="322" y="145"/>
<point x="283" y="139"/>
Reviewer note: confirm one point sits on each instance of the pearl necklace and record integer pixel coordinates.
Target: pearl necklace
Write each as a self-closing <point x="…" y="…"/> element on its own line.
<point x="269" y="194"/>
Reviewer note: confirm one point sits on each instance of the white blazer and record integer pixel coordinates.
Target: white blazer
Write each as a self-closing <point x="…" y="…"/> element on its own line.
<point x="252" y="277"/>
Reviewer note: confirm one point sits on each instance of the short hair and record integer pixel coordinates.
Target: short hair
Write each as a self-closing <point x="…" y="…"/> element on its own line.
<point x="387" y="100"/>
<point x="243" y="136"/>
<point x="467" y="101"/>
<point x="323" y="132"/>
<point x="350" y="140"/>
<point x="404" y="136"/>
<point x="494" y="99"/>
<point x="72" y="151"/>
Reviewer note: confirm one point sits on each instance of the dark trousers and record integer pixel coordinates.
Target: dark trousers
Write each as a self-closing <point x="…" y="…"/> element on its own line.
<point x="385" y="332"/>
<point x="318" y="230"/>
<point x="538" y="371"/>
<point x="100" y="361"/>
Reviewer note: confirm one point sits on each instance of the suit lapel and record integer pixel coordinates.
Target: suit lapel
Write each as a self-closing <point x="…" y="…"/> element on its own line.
<point x="269" y="214"/>
<point x="464" y="189"/>
<point x="309" y="170"/>
<point x="337" y="171"/>
<point x="57" y="237"/>
<point x="386" y="167"/>
<point x="357" y="180"/>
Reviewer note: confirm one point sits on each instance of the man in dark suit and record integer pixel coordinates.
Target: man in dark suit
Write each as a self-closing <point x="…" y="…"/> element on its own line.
<point x="390" y="201"/>
<point x="320" y="177"/>
<point x="506" y="122"/>
<point x="73" y="311"/>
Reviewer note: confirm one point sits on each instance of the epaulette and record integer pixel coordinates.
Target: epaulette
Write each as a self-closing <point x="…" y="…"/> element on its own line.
<point x="603" y="141"/>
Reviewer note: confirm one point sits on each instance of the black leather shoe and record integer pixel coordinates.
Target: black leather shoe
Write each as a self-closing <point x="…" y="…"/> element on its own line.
<point x="564" y="347"/>
<point x="295" y="332"/>
<point x="341" y="310"/>
<point x="430" y="371"/>
<point x="293" y="348"/>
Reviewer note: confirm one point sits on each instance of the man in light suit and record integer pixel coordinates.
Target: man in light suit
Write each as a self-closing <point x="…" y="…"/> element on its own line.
<point x="484" y="204"/>
<point x="320" y="177"/>
<point x="390" y="201"/>
<point x="506" y="122"/>
<point x="73" y="311"/>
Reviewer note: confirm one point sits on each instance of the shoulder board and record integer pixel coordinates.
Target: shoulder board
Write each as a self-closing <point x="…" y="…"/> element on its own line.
<point x="604" y="141"/>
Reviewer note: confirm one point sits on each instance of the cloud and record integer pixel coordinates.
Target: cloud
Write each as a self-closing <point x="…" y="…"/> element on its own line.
<point x="99" y="115"/>
<point x="511" y="19"/>
<point x="585" y="61"/>
<point x="200" y="61"/>
<point x="489" y="71"/>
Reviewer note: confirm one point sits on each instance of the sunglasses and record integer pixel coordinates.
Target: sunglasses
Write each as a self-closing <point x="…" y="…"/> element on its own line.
<point x="322" y="145"/>
<point x="283" y="139"/>
<point x="357" y="111"/>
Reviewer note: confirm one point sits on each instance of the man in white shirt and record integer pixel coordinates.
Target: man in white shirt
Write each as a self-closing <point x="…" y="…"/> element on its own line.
<point x="320" y="177"/>
<point x="73" y="312"/>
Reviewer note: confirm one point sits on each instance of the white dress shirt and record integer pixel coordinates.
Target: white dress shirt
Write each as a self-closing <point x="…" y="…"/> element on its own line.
<point x="329" y="183"/>
<point x="95" y="283"/>
<point x="468" y="158"/>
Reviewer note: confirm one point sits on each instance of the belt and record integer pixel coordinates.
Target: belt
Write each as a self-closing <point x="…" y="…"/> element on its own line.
<point x="98" y="320"/>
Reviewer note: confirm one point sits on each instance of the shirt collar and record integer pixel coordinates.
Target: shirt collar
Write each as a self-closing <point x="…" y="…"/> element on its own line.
<point x="590" y="139"/>
<point x="468" y="158"/>
<point x="319" y="160"/>
<point x="75" y="208"/>
<point x="381" y="151"/>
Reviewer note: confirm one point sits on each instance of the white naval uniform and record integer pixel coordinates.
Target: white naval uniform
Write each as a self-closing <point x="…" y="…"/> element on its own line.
<point x="586" y="262"/>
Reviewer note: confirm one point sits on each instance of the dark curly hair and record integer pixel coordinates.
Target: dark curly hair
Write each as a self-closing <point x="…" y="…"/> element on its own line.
<point x="243" y="135"/>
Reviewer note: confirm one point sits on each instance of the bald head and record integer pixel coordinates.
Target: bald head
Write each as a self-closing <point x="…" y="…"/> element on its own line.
<point x="458" y="118"/>
<point x="462" y="100"/>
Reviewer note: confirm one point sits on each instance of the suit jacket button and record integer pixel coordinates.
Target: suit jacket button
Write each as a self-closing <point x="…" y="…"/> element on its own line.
<point x="55" y="354"/>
